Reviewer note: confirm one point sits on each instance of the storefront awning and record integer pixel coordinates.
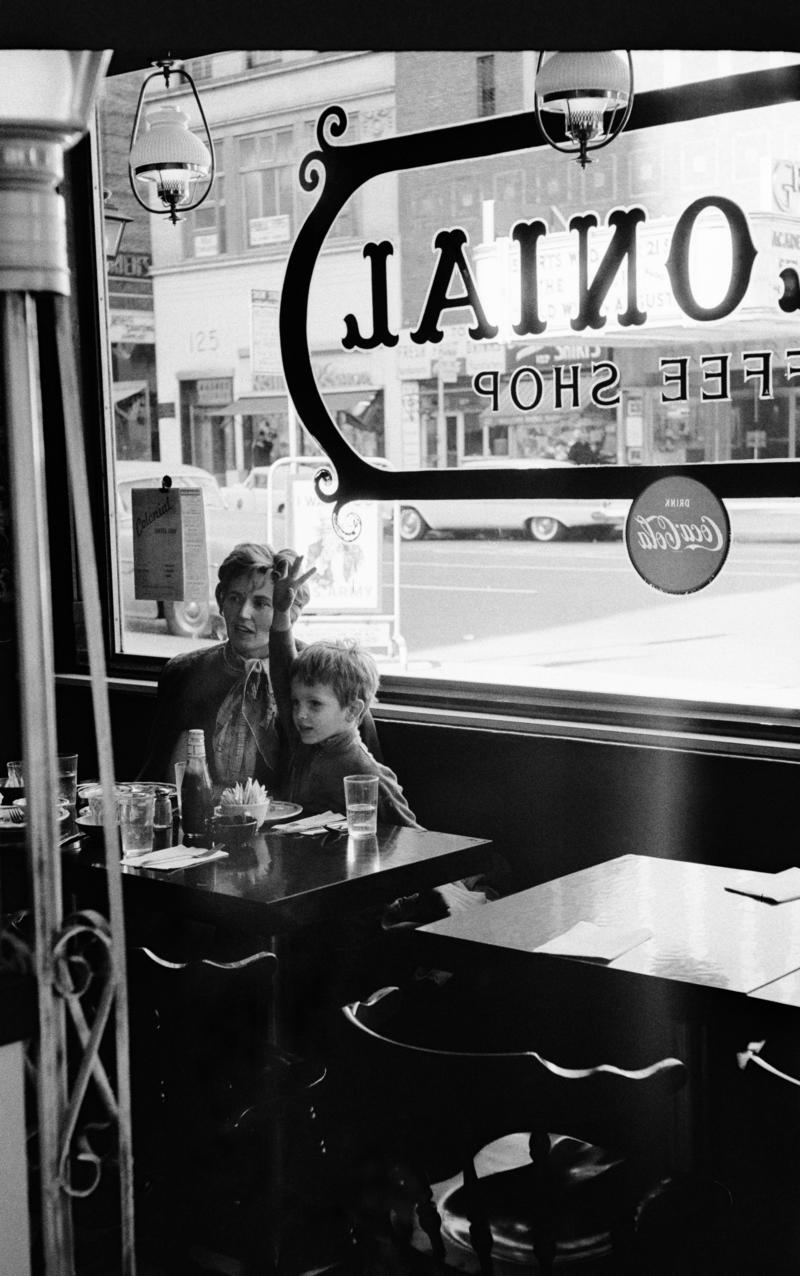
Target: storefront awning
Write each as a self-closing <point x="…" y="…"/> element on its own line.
<point x="355" y="402"/>
<point x="121" y="390"/>
<point x="251" y="405"/>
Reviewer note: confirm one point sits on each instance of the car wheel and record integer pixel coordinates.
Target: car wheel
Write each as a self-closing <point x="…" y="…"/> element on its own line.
<point x="412" y="525"/>
<point x="545" y="529"/>
<point x="188" y="619"/>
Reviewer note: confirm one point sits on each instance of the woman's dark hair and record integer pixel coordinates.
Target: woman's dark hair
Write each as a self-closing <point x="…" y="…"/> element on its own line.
<point x="249" y="557"/>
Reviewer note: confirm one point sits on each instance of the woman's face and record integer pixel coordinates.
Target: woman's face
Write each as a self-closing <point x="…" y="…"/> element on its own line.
<point x="247" y="609"/>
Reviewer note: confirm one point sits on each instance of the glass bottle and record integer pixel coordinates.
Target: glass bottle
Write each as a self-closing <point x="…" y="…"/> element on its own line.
<point x="197" y="799"/>
<point x="14" y="786"/>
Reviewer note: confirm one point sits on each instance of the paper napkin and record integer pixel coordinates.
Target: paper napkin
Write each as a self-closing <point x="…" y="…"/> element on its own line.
<point x="773" y="888"/>
<point x="313" y="823"/>
<point x="174" y="857"/>
<point x="594" y="942"/>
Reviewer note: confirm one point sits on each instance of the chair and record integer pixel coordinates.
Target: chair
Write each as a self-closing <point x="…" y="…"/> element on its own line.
<point x="423" y="1116"/>
<point x="762" y="1123"/>
<point x="212" y="1100"/>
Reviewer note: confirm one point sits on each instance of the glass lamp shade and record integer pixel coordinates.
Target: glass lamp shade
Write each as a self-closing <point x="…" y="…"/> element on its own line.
<point x="169" y="155"/>
<point x="46" y="98"/>
<point x="592" y="91"/>
<point x="114" y="224"/>
<point x="567" y="82"/>
<point x="49" y="89"/>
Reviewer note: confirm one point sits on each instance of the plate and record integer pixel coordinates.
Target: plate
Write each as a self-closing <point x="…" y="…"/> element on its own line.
<point x="161" y="786"/>
<point x="281" y="811"/>
<point x="14" y="830"/>
<point x="277" y="811"/>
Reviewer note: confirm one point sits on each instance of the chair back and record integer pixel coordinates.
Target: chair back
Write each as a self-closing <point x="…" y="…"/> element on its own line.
<point x="199" y="1028"/>
<point x="449" y="1103"/>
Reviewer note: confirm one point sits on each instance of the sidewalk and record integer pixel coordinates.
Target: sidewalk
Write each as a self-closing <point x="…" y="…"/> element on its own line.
<point x="738" y="649"/>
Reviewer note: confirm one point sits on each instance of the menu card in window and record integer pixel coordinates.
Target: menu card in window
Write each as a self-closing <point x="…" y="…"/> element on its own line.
<point x="170" y="559"/>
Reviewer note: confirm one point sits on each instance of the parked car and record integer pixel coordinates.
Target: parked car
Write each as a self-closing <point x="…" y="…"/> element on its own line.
<point x="224" y="528"/>
<point x="766" y="518"/>
<point x="253" y="492"/>
<point x="543" y="518"/>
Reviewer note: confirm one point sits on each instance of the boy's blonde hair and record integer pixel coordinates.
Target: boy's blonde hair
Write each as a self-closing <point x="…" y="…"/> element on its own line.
<point x="344" y="666"/>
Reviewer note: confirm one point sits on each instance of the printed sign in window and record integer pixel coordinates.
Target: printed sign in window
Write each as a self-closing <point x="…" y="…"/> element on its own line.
<point x="170" y="561"/>
<point x="348" y="573"/>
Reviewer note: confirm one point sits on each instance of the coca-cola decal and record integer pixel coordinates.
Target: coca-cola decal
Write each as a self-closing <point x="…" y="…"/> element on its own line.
<point x="678" y="534"/>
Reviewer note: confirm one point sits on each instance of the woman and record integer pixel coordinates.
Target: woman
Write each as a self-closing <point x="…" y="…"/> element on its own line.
<point x="226" y="689"/>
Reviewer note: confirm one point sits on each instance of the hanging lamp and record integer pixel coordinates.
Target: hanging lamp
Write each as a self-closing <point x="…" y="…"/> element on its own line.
<point x="592" y="91"/>
<point x="166" y="154"/>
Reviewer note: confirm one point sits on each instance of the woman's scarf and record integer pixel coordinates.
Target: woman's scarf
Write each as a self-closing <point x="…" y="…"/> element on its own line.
<point x="246" y="724"/>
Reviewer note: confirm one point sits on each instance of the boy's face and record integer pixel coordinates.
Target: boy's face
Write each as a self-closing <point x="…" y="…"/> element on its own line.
<point x="317" y="713"/>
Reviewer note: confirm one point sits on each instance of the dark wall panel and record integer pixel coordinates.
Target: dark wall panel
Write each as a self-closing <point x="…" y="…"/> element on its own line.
<point x="550" y="805"/>
<point x="554" y="805"/>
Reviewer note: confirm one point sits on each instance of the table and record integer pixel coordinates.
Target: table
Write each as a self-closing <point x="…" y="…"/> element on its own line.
<point x="279" y="893"/>
<point x="284" y="881"/>
<point x="284" y="884"/>
<point x="702" y="934"/>
<point x="717" y="969"/>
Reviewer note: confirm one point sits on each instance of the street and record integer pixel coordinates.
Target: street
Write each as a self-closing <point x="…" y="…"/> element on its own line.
<point x="576" y="615"/>
<point x="464" y="590"/>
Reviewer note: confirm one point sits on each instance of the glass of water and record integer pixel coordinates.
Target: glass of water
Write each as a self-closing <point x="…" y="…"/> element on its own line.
<point x="361" y="802"/>
<point x="68" y="779"/>
<point x="136" y="822"/>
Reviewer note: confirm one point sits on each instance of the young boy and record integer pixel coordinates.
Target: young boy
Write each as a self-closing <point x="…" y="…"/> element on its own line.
<point x="322" y="694"/>
<point x="332" y="684"/>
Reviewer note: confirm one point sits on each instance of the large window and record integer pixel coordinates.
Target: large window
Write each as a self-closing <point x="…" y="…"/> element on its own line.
<point x="529" y="593"/>
<point x="267" y="187"/>
<point x="206" y="232"/>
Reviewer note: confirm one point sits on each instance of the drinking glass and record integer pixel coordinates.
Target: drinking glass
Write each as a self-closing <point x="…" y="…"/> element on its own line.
<point x="180" y="769"/>
<point x="94" y="797"/>
<point x="162" y="822"/>
<point x="68" y="779"/>
<point x="361" y="801"/>
<point x="136" y="822"/>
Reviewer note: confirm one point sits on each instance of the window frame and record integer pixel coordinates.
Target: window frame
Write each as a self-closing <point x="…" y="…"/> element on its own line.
<point x="485" y="71"/>
<point x="276" y="170"/>
<point x="671" y="721"/>
<point x="216" y="202"/>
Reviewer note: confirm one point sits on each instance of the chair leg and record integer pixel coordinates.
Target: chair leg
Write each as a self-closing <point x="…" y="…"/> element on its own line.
<point x="544" y="1242"/>
<point x="480" y="1233"/>
<point x="431" y="1224"/>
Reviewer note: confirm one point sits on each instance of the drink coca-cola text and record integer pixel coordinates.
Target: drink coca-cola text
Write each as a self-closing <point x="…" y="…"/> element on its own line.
<point x="658" y="531"/>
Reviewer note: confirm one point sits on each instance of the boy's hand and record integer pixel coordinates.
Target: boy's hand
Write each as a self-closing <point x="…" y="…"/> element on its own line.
<point x="287" y="579"/>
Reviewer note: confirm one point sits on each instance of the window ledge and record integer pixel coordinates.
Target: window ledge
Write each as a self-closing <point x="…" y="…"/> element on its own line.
<point x="616" y="720"/>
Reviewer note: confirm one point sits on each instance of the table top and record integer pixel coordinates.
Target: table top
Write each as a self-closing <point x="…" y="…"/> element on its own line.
<point x="702" y="934"/>
<point x="784" y="991"/>
<point x="283" y="880"/>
